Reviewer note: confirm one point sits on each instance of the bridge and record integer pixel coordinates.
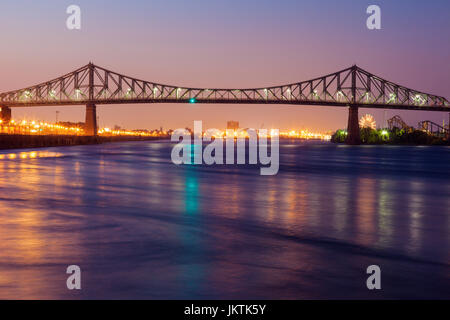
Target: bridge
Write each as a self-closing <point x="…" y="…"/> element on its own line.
<point x="92" y="85"/>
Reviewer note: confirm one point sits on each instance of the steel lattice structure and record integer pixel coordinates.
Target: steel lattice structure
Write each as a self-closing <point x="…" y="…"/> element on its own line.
<point x="433" y="128"/>
<point x="92" y="84"/>
<point x="397" y="122"/>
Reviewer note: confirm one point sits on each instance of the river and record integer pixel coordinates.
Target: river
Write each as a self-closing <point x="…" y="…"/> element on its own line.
<point x="139" y="226"/>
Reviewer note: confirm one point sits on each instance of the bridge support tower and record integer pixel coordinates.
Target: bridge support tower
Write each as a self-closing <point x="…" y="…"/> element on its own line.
<point x="5" y="114"/>
<point x="353" y="136"/>
<point x="90" y="128"/>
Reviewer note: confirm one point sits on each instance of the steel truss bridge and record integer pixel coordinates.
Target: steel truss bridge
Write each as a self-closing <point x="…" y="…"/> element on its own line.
<point x="92" y="85"/>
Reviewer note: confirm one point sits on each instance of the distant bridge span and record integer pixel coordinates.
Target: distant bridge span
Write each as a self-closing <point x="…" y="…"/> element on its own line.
<point x="92" y="85"/>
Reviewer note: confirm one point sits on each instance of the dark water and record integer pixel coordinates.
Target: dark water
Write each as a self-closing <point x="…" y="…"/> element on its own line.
<point x="141" y="227"/>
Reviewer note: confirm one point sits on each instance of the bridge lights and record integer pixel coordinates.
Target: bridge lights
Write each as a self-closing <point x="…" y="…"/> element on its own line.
<point x="315" y="94"/>
<point x="27" y="94"/>
<point x="129" y="92"/>
<point x="77" y="93"/>
<point x="192" y="100"/>
<point x="339" y="95"/>
<point x="419" y="99"/>
<point x="425" y="99"/>
<point x="367" y="95"/>
<point x="392" y="98"/>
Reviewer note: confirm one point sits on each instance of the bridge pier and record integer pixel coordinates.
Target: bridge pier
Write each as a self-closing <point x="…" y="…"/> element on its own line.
<point x="353" y="136"/>
<point x="5" y="114"/>
<point x="90" y="126"/>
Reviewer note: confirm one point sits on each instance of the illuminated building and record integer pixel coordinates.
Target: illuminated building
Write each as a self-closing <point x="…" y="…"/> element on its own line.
<point x="233" y="125"/>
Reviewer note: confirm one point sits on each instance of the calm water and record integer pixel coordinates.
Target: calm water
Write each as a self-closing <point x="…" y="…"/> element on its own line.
<point x="141" y="227"/>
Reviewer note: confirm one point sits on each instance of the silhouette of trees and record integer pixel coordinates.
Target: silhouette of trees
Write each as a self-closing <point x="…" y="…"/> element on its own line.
<point x="394" y="136"/>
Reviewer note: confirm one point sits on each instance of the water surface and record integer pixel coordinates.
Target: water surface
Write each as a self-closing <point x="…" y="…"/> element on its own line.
<point x="141" y="227"/>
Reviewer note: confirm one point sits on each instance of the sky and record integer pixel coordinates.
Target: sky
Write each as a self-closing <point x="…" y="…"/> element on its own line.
<point x="229" y="44"/>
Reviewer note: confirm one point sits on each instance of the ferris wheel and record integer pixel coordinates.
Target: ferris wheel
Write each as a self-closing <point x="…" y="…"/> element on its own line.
<point x="368" y="121"/>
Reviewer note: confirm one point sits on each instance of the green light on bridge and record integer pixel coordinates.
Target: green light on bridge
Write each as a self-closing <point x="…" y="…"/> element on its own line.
<point x="192" y="100"/>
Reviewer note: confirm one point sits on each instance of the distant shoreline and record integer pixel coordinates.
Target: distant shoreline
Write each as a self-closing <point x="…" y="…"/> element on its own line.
<point x="395" y="136"/>
<point x="8" y="142"/>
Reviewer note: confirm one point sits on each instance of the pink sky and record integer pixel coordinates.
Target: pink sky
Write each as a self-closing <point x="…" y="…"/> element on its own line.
<point x="225" y="44"/>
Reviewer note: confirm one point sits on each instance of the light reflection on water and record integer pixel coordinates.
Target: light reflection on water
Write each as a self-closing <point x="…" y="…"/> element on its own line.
<point x="29" y="155"/>
<point x="141" y="227"/>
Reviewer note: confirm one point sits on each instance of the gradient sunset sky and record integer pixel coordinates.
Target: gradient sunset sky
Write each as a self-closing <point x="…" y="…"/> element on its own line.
<point x="226" y="43"/>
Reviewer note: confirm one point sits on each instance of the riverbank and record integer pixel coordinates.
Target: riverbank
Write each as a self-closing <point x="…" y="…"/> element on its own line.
<point x="394" y="137"/>
<point x="45" y="141"/>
